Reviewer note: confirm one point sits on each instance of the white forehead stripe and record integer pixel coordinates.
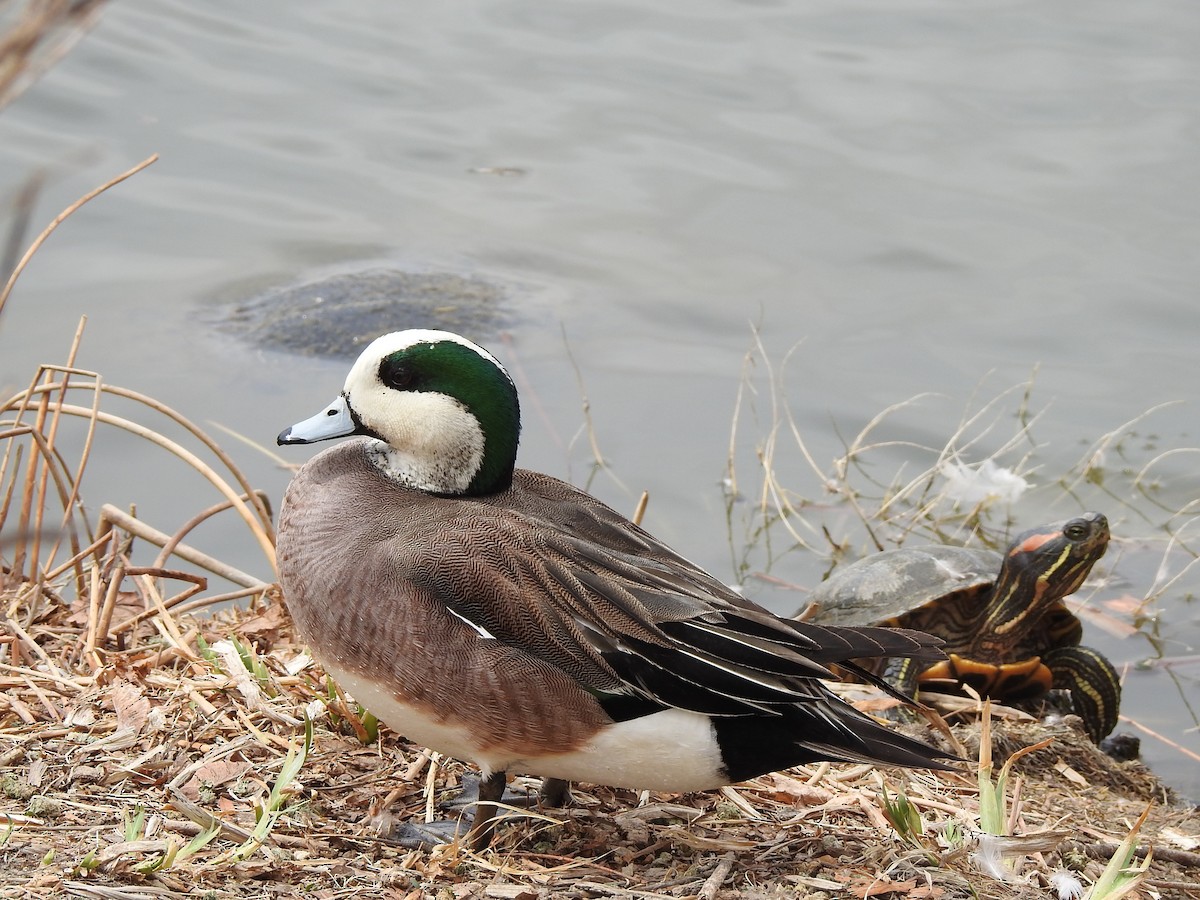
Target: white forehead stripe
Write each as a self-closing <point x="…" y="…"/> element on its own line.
<point x="388" y="344"/>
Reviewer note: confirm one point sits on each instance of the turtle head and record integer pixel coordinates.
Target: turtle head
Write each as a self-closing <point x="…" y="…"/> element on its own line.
<point x="1042" y="566"/>
<point x="444" y="409"/>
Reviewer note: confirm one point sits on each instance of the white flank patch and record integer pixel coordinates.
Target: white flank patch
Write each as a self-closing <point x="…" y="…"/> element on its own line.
<point x="673" y="750"/>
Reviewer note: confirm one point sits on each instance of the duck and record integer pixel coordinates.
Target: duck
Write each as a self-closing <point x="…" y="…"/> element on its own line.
<point x="508" y="619"/>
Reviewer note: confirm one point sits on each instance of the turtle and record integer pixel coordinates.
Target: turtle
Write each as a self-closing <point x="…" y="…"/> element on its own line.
<point x="1007" y="633"/>
<point x="337" y="316"/>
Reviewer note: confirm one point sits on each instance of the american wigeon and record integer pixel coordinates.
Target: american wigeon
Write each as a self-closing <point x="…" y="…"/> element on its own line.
<point x="508" y="619"/>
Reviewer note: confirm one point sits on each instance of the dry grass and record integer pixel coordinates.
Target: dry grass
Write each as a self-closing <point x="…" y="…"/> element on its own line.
<point x="962" y="490"/>
<point x="35" y="37"/>
<point x="147" y="750"/>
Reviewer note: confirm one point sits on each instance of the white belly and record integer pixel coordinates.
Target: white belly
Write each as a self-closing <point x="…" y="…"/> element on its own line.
<point x="673" y="750"/>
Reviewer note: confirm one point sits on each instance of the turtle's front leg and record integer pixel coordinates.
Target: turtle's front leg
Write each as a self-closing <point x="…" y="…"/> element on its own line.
<point x="1094" y="684"/>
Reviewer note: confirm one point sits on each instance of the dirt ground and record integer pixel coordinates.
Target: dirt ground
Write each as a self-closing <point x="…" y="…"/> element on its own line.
<point x="172" y="763"/>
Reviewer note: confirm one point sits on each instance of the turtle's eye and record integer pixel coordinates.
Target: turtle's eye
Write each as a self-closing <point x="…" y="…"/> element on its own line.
<point x="397" y="374"/>
<point x="1076" y="531"/>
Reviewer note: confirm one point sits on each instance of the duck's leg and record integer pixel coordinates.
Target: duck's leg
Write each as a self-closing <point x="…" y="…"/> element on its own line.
<point x="491" y="789"/>
<point x="555" y="792"/>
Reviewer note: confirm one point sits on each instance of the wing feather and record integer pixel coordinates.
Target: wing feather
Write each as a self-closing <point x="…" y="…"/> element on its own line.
<point x="625" y="615"/>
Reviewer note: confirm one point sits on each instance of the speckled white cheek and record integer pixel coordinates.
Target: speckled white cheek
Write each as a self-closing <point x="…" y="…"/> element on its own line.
<point x="433" y="441"/>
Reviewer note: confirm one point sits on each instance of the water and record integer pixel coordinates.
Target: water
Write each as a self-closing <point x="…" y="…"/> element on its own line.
<point x="916" y="199"/>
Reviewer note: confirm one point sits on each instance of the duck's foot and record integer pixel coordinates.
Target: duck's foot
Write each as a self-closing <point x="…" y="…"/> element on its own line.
<point x="483" y="794"/>
<point x="427" y="835"/>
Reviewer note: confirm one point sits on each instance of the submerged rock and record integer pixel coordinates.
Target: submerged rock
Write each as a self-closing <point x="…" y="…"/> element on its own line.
<point x="339" y="315"/>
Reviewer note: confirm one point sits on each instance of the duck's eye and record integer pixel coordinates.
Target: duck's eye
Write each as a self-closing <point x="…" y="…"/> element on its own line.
<point x="397" y="375"/>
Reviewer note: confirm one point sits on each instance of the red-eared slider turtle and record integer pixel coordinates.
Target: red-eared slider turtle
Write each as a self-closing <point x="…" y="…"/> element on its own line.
<point x="1007" y="633"/>
<point x="338" y="315"/>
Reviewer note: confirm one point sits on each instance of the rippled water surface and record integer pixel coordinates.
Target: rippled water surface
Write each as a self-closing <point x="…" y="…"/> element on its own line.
<point x="910" y="198"/>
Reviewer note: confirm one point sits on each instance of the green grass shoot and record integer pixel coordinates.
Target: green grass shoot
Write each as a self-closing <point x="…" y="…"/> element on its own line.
<point x="1119" y="878"/>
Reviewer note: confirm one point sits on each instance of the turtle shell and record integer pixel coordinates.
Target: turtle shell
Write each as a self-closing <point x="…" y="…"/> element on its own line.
<point x="898" y="587"/>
